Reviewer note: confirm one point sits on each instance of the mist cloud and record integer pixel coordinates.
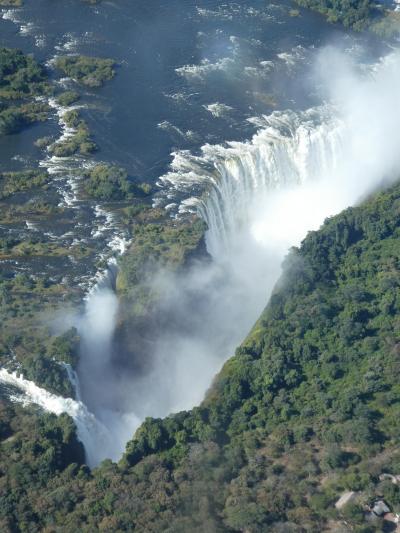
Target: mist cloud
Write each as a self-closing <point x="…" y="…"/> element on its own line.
<point x="263" y="197"/>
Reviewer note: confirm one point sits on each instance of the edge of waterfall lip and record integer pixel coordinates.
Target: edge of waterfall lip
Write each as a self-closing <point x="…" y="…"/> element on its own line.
<point x="186" y="186"/>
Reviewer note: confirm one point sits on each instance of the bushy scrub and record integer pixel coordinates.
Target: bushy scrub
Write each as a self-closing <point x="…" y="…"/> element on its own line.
<point x="107" y="183"/>
<point x="89" y="71"/>
<point x="10" y="3"/>
<point x="79" y="142"/>
<point x="21" y="80"/>
<point x="12" y="182"/>
<point x="48" y="374"/>
<point x="68" y="98"/>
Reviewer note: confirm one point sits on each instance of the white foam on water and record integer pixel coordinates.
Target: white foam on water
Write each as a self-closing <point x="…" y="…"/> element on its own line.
<point x="289" y="149"/>
<point x="31" y="225"/>
<point x="261" y="71"/>
<point x="12" y="14"/>
<point x="96" y="439"/>
<point x="218" y="109"/>
<point x="205" y="68"/>
<point x="27" y="29"/>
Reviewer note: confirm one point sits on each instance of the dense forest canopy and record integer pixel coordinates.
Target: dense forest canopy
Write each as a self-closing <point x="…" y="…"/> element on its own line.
<point x="307" y="409"/>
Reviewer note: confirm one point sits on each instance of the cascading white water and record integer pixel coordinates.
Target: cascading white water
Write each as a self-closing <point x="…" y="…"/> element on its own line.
<point x="74" y="380"/>
<point x="92" y="433"/>
<point x="258" y="198"/>
<point x="98" y="383"/>
<point x="300" y="167"/>
<point x="97" y="433"/>
<point x="97" y="326"/>
<point x="290" y="149"/>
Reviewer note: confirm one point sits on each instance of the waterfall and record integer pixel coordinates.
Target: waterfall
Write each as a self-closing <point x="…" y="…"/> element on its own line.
<point x="258" y="198"/>
<point x="74" y="380"/>
<point x="289" y="150"/>
<point x="97" y="425"/>
<point x="303" y="166"/>
<point x="102" y="430"/>
<point x="97" y="441"/>
<point x="96" y="328"/>
<point x="101" y="386"/>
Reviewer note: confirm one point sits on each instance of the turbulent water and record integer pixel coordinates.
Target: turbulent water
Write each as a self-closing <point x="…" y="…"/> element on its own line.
<point x="96" y="438"/>
<point x="331" y="140"/>
<point x="290" y="149"/>
<point x="258" y="199"/>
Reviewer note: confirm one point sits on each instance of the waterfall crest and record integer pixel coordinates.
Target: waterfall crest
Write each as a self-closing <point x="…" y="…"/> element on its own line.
<point x="289" y="150"/>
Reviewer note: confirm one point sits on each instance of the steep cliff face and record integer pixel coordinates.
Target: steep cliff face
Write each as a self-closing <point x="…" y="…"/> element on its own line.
<point x="159" y="249"/>
<point x="307" y="409"/>
<point x="318" y="376"/>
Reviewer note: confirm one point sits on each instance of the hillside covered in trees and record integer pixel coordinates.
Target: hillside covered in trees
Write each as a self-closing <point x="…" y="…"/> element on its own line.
<point x="307" y="409"/>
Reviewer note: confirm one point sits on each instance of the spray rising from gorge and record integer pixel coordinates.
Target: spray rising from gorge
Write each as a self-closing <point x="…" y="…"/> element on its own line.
<point x="258" y="198"/>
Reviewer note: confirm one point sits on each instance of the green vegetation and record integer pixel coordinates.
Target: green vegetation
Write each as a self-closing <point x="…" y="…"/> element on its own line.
<point x="65" y="347"/>
<point x="106" y="182"/>
<point x="22" y="80"/>
<point x="89" y="71"/>
<point x="387" y="26"/>
<point x="34" y="448"/>
<point x="36" y="246"/>
<point x="137" y="213"/>
<point x="27" y="308"/>
<point x="48" y="373"/>
<point x="12" y="182"/>
<point x="110" y="183"/>
<point x="78" y="142"/>
<point x="68" y="98"/>
<point x="156" y="246"/>
<point x="43" y="142"/>
<point x="309" y="406"/>
<point x="10" y="3"/>
<point x="354" y="14"/>
<point x="14" y="118"/>
<point x="35" y="209"/>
